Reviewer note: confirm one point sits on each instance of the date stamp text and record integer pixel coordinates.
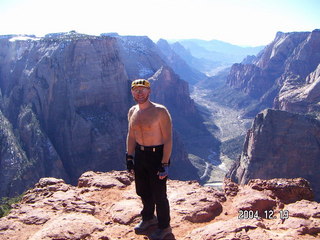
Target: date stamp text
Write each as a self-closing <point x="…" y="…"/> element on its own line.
<point x="267" y="214"/>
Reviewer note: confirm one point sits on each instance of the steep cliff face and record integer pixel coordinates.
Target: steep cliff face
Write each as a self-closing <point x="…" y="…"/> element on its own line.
<point x="282" y="68"/>
<point x="76" y="87"/>
<point x="170" y="90"/>
<point x="248" y="78"/>
<point x="280" y="144"/>
<point x="140" y="56"/>
<point x="304" y="98"/>
<point x="176" y="98"/>
<point x="64" y="102"/>
<point x="26" y="153"/>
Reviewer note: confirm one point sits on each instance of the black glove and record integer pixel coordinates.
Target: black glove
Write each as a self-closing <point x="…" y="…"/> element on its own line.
<point x="130" y="164"/>
<point x="163" y="170"/>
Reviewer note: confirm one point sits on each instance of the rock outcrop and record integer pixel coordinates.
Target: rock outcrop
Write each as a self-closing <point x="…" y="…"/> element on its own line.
<point x="64" y="100"/>
<point x="173" y="97"/>
<point x="105" y="206"/>
<point x="280" y="144"/>
<point x="140" y="55"/>
<point x="303" y="99"/>
<point x="283" y="74"/>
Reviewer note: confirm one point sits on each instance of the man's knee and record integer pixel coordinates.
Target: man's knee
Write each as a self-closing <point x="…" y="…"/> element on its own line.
<point x="160" y="197"/>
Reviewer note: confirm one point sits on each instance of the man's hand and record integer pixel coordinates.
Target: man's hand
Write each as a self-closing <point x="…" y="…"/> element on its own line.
<point x="163" y="171"/>
<point x="130" y="163"/>
<point x="130" y="166"/>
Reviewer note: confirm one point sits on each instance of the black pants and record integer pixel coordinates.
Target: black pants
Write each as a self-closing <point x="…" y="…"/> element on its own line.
<point x="150" y="188"/>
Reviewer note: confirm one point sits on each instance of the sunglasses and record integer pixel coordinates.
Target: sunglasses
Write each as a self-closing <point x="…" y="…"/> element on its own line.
<point x="141" y="90"/>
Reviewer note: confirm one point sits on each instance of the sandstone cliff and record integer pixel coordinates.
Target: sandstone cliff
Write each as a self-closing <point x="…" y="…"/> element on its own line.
<point x="104" y="206"/>
<point x="71" y="89"/>
<point x="280" y="144"/>
<point x="284" y="69"/>
<point x="141" y="56"/>
<point x="304" y="98"/>
<point x="63" y="103"/>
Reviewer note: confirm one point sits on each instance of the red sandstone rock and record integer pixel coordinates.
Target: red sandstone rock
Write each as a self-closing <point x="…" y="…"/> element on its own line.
<point x="258" y="201"/>
<point x="96" y="210"/>
<point x="287" y="190"/>
<point x="194" y="203"/>
<point x="104" y="180"/>
<point x="222" y="229"/>
<point x="71" y="226"/>
<point x="230" y="188"/>
<point x="304" y="209"/>
<point x="124" y="212"/>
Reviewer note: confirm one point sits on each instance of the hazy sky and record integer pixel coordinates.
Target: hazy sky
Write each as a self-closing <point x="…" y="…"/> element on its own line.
<point x="241" y="22"/>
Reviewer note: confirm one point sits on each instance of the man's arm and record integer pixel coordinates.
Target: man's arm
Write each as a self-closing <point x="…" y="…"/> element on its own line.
<point x="131" y="140"/>
<point x="166" y="130"/>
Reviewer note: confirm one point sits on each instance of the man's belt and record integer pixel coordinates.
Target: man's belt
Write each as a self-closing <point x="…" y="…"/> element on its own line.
<point x="149" y="148"/>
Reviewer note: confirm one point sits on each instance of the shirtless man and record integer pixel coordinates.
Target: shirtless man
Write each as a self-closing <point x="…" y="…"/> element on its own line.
<point x="149" y="140"/>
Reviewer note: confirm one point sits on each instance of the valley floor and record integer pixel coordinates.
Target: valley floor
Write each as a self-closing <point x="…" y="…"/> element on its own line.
<point x="226" y="125"/>
<point x="229" y="120"/>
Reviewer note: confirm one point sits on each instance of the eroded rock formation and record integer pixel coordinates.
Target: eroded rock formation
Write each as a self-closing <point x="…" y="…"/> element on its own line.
<point x="105" y="206"/>
<point x="280" y="144"/>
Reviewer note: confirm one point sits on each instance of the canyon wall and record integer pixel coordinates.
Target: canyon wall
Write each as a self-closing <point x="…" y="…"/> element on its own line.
<point x="283" y="74"/>
<point x="280" y="144"/>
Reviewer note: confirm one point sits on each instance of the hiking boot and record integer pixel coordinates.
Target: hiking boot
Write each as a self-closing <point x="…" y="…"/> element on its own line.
<point x="159" y="234"/>
<point x="145" y="224"/>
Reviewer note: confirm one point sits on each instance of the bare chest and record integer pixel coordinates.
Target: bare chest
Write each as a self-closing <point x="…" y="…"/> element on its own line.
<point x="145" y="121"/>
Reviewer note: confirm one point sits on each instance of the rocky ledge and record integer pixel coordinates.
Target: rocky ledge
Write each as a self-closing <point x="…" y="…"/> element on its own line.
<point x="104" y="206"/>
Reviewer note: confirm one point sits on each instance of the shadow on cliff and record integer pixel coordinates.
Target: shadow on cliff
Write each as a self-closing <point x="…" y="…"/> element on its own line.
<point x="199" y="142"/>
<point x="198" y="132"/>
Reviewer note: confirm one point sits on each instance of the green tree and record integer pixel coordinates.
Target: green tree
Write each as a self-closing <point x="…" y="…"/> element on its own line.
<point x="6" y="204"/>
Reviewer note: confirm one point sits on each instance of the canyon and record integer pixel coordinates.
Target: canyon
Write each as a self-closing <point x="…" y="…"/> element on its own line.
<point x="63" y="108"/>
<point x="265" y="111"/>
<point x="284" y="139"/>
<point x="64" y="100"/>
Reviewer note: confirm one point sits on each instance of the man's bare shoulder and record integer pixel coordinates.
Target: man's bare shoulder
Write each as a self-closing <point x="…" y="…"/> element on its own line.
<point x="162" y="109"/>
<point x="132" y="110"/>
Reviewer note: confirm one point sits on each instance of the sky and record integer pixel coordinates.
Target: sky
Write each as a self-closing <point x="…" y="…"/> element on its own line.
<point x="240" y="22"/>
